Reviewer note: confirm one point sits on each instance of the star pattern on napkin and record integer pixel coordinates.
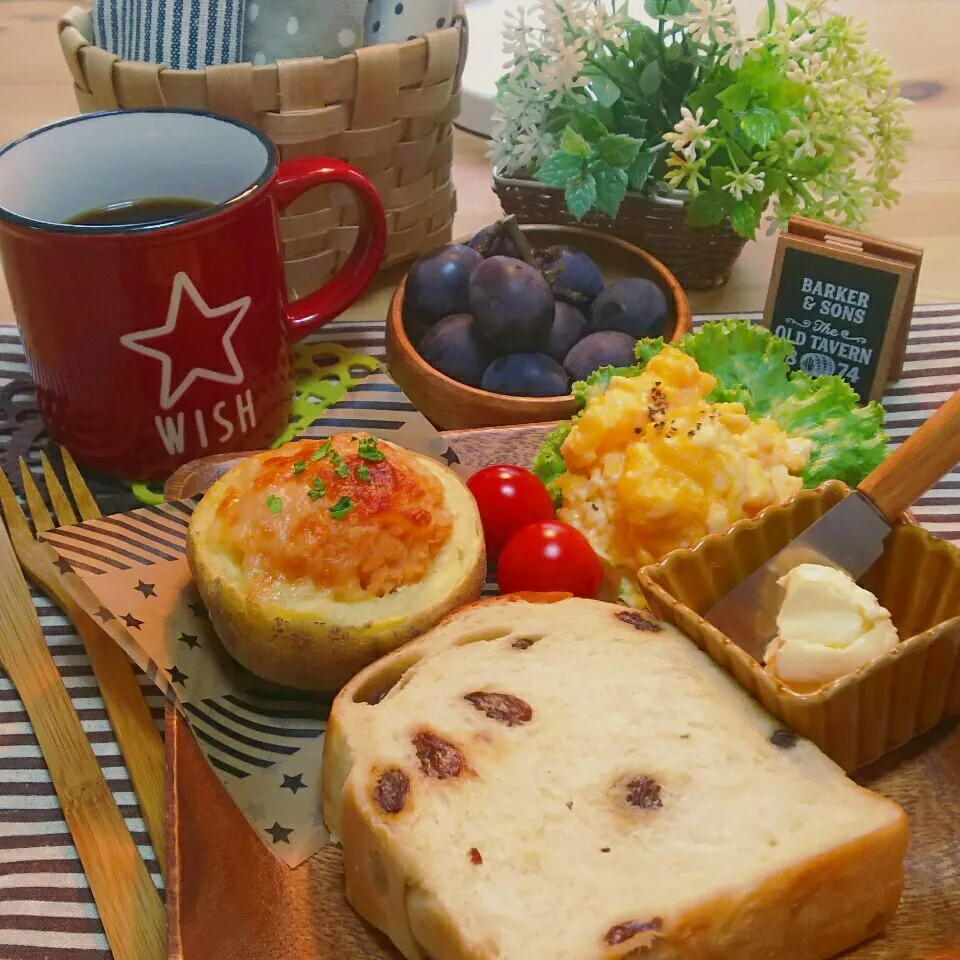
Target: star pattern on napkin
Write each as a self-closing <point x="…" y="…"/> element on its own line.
<point x="293" y="784"/>
<point x="198" y="609"/>
<point x="147" y="589"/>
<point x="279" y="834"/>
<point x="190" y="639"/>
<point x="63" y="565"/>
<point x="131" y="621"/>
<point x="104" y="615"/>
<point x="449" y="456"/>
<point x="177" y="675"/>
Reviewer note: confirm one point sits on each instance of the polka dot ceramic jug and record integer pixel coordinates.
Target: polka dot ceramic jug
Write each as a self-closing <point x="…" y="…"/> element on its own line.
<point x="285" y="29"/>
<point x="392" y="21"/>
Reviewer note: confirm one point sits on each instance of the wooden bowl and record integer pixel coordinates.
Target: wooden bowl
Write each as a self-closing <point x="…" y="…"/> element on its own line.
<point x="454" y="406"/>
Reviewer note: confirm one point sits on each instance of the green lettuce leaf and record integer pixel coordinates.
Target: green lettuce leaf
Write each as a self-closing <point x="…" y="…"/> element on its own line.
<point x="599" y="380"/>
<point x="548" y="463"/>
<point x="751" y="368"/>
<point x="849" y="441"/>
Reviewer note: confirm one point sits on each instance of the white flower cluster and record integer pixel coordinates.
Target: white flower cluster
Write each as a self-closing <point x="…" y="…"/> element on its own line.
<point x="714" y="23"/>
<point x="546" y="57"/>
<point x="743" y="183"/>
<point x="710" y="21"/>
<point x="853" y="117"/>
<point x="690" y="133"/>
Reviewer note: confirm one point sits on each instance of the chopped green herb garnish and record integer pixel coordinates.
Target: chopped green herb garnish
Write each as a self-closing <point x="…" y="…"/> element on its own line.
<point x="299" y="467"/>
<point x="363" y="474"/>
<point x="274" y="504"/>
<point x="319" y="490"/>
<point x="339" y="466"/>
<point x="368" y="450"/>
<point x="321" y="451"/>
<point x="341" y="508"/>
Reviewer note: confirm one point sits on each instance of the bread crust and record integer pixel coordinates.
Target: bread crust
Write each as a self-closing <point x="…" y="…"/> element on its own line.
<point x="791" y="914"/>
<point x="311" y="654"/>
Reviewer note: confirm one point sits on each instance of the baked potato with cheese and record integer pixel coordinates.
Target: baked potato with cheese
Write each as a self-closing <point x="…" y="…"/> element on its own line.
<point x="319" y="557"/>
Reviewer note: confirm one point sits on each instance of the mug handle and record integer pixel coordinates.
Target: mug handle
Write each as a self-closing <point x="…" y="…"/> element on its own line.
<point x="298" y="175"/>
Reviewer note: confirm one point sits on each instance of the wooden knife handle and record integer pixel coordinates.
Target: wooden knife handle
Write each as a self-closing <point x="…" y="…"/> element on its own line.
<point x="918" y="463"/>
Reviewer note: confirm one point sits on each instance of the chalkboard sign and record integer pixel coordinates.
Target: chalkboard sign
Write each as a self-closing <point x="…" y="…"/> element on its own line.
<point x="843" y="304"/>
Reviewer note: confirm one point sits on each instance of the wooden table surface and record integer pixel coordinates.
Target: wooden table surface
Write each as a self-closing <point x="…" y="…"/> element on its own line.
<point x="919" y="36"/>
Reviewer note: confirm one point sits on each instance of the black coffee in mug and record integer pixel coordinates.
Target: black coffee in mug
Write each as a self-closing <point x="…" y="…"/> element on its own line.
<point x="150" y="210"/>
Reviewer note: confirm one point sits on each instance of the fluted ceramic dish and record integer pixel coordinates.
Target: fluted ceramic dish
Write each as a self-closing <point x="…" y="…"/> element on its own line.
<point x="860" y="717"/>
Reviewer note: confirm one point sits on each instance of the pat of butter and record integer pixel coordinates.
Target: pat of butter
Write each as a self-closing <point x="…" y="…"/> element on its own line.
<point x="827" y="627"/>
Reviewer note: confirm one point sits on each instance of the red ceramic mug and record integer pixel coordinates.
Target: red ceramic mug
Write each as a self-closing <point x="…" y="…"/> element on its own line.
<point x="153" y="343"/>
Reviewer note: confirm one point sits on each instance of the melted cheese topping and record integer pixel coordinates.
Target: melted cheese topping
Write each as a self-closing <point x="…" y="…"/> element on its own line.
<point x="290" y="522"/>
<point x="652" y="465"/>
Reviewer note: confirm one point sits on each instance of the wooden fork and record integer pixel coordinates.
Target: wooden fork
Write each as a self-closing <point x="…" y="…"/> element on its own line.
<point x="133" y="726"/>
<point x="128" y="902"/>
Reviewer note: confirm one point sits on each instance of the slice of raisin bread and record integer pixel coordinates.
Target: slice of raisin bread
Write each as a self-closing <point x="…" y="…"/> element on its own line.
<point x="573" y="781"/>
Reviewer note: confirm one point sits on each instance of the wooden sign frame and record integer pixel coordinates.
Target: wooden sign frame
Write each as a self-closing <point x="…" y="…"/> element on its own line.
<point x="877" y="253"/>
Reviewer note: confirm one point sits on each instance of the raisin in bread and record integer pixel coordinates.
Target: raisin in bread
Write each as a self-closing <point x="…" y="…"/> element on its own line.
<point x="572" y="780"/>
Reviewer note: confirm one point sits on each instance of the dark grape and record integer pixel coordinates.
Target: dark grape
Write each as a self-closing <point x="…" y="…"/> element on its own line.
<point x="452" y="348"/>
<point x="512" y="304"/>
<point x="608" y="348"/>
<point x="574" y="273"/>
<point x="526" y="375"/>
<point x="502" y="246"/>
<point x="569" y="325"/>
<point x="415" y="331"/>
<point x="438" y="283"/>
<point x="636" y="307"/>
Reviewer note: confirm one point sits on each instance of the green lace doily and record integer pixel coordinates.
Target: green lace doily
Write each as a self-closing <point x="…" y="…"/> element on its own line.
<point x="323" y="375"/>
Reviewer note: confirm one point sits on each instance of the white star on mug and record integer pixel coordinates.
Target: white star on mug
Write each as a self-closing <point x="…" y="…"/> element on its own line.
<point x="135" y="341"/>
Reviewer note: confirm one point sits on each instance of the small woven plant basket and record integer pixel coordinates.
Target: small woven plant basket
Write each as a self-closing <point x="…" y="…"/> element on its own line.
<point x="386" y="109"/>
<point x="700" y="258"/>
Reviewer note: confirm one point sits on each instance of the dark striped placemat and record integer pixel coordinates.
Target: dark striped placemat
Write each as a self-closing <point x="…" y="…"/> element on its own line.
<point x="46" y="910"/>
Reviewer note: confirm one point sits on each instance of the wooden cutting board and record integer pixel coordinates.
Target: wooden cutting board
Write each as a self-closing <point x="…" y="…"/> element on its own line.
<point x="228" y="898"/>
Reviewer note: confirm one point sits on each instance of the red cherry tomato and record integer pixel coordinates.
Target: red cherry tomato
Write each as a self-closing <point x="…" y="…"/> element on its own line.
<point x="509" y="498"/>
<point x="550" y="556"/>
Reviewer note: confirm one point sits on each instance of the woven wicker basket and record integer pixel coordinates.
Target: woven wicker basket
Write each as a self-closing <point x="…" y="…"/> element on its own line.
<point x="701" y="259"/>
<point x="387" y="109"/>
